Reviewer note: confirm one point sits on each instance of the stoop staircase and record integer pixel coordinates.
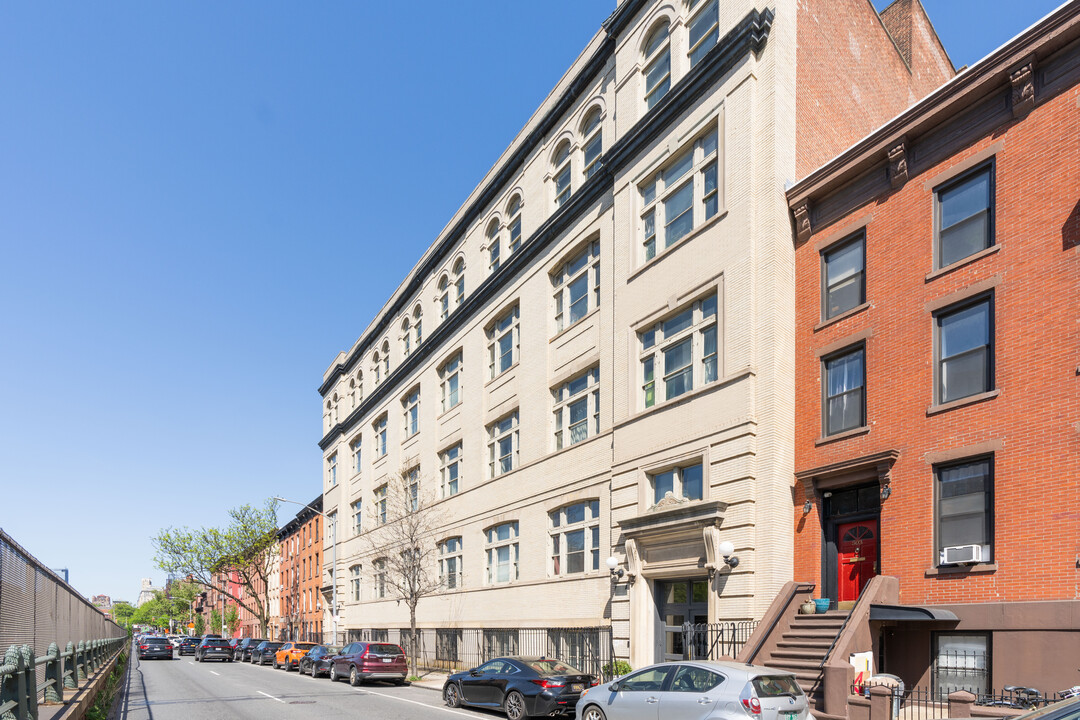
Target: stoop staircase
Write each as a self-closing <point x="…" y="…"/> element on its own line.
<point x="802" y="649"/>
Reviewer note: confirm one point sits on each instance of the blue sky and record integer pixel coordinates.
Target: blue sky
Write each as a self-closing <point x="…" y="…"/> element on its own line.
<point x="202" y="203"/>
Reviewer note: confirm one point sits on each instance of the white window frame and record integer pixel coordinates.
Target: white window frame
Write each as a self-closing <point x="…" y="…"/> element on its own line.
<point x="678" y="489"/>
<point x="450" y="461"/>
<point x="450" y="373"/>
<point x="584" y="388"/>
<point x="331" y="470"/>
<point x="584" y="264"/>
<point x="592" y="131"/>
<point x="494" y="245"/>
<point x="450" y="553"/>
<point x="653" y="94"/>
<point x="513" y="211"/>
<point x="653" y="346"/>
<point x="418" y="318"/>
<point x="354" y="582"/>
<point x="376" y="367"/>
<point x="406" y="337"/>
<point x="412" y="477"/>
<point x="356" y="448"/>
<point x="710" y="36"/>
<point x="380" y="435"/>
<point x="380" y="503"/>
<point x="358" y="516"/>
<point x="386" y="357"/>
<point x="443" y="297"/>
<point x="561" y="164"/>
<point x="506" y="325"/>
<point x="504" y="430"/>
<point x="561" y="527"/>
<point x="380" y="578"/>
<point x="492" y="547"/>
<point x="410" y="405"/>
<point x="459" y="282"/>
<point x="661" y="188"/>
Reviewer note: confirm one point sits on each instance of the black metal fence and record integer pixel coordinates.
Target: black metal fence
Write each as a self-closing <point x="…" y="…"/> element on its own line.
<point x="451" y="649"/>
<point x="715" y="641"/>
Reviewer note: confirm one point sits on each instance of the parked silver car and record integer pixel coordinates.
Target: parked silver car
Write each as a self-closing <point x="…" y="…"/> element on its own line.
<point x="697" y="690"/>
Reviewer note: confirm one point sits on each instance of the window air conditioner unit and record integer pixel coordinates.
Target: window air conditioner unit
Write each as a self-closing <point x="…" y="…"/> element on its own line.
<point x="958" y="554"/>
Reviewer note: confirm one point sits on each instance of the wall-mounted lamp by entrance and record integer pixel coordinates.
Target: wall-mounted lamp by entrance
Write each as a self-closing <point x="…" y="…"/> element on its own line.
<point x="807" y="507"/>
<point x="727" y="549"/>
<point x="614" y="569"/>
<point x="886" y="491"/>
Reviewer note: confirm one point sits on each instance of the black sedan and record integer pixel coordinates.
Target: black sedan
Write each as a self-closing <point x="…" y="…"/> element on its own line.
<point x="242" y="651"/>
<point x="520" y="686"/>
<point x="155" y="647"/>
<point x="188" y="645"/>
<point x="263" y="654"/>
<point x="317" y="660"/>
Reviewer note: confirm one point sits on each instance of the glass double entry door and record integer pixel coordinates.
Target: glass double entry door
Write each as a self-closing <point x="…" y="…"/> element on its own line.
<point x="680" y="602"/>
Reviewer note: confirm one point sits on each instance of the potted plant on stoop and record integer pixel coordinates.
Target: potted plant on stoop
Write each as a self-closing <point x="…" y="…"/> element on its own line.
<point x="808" y="607"/>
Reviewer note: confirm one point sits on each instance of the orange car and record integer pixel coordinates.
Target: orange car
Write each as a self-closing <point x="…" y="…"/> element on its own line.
<point x="288" y="655"/>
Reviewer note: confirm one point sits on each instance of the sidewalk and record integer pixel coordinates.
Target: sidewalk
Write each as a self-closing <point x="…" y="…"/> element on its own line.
<point x="432" y="680"/>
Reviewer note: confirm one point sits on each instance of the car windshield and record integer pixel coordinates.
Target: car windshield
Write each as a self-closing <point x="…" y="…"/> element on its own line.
<point x="776" y="686"/>
<point x="305" y="646"/>
<point x="552" y="667"/>
<point x="379" y="649"/>
<point x="333" y="649"/>
<point x="218" y="644"/>
<point x="273" y="646"/>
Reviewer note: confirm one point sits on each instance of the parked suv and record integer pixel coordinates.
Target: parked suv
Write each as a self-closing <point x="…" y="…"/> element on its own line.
<point x="187" y="646"/>
<point x="242" y="651"/>
<point x="155" y="647"/>
<point x="288" y="655"/>
<point x="317" y="661"/>
<point x="214" y="649"/>
<point x="360" y="661"/>
<point x="263" y="653"/>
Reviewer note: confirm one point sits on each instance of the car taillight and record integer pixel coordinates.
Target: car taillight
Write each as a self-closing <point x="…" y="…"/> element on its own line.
<point x="752" y="705"/>
<point x="143" y="647"/>
<point x="544" y="683"/>
<point x="594" y="682"/>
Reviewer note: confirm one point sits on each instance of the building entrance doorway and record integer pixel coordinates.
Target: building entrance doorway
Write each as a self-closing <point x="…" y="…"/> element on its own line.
<point x="858" y="558"/>
<point x="852" y="546"/>
<point x="679" y="602"/>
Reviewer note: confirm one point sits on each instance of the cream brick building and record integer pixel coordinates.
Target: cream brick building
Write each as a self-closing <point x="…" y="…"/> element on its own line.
<point x="596" y="354"/>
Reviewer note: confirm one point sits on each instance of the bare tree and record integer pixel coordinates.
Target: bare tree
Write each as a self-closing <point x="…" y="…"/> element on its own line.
<point x="402" y="541"/>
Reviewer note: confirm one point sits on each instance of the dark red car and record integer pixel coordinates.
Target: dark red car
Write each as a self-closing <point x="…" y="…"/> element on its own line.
<point x="361" y="661"/>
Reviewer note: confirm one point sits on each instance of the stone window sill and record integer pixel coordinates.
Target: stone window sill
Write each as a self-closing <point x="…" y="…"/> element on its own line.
<point x="842" y="316"/>
<point x="854" y="432"/>
<point x="969" y="400"/>
<point x="977" y="569"/>
<point x="962" y="262"/>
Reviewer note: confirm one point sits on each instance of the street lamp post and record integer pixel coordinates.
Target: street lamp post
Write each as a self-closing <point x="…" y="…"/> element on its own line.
<point x="333" y="561"/>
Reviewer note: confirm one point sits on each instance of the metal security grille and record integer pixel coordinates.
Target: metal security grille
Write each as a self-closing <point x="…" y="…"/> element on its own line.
<point x="37" y="608"/>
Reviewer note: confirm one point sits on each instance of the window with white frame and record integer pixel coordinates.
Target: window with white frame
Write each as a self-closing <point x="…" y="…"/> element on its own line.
<point x="657" y="64"/>
<point x="380" y="504"/>
<point x="560" y="173"/>
<point x="356" y="388"/>
<point x="450" y="374"/>
<point x="575" y="538"/>
<point x="577" y="409"/>
<point x="503" y="337"/>
<point x="406" y="337"/>
<point x="450" y="563"/>
<point x="493" y="246"/>
<point x="686" y="482"/>
<point x="592" y="143"/>
<point x="331" y="469"/>
<point x="376" y="367"/>
<point x="503" y="445"/>
<point x="386" y="358"/>
<point x="577" y="286"/>
<point x="411" y="406"/>
<point x="331" y="527"/>
<point x="451" y="469"/>
<point x="459" y="281"/>
<point x="679" y="353"/>
<point x="412" y="477"/>
<point x="704" y="28"/>
<point x="380" y="436"/>
<point x="418" y="333"/>
<point x="356" y="448"/>
<point x="380" y="578"/>
<point x="681" y="196"/>
<point x="358" y="516"/>
<point x="354" y="583"/>
<point x="502" y="553"/>
<point x="513" y="211"/>
<point x="444" y="297"/>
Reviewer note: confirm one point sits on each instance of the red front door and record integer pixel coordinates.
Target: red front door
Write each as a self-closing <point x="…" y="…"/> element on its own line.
<point x="858" y="560"/>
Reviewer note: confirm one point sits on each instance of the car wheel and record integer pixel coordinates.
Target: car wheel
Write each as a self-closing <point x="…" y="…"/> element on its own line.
<point x="333" y="673"/>
<point x="452" y="695"/>
<point x="354" y="677"/>
<point x="314" y="672"/>
<point x="593" y="713"/>
<point x="514" y="705"/>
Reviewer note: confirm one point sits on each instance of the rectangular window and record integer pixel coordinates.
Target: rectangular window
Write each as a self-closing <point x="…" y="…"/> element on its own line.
<point x="965" y="352"/>
<point x="681" y="482"/>
<point x="447" y="642"/>
<point x="358" y="515"/>
<point x="493" y="254"/>
<point x="380" y="504"/>
<point x="502" y="553"/>
<point x="380" y="578"/>
<point x="845" y="391"/>
<point x="331" y="469"/>
<point x="577" y="409"/>
<point x="503" y="445"/>
<point x="380" y="436"/>
<point x="575" y="538"/>
<point x="844" y="277"/>
<point x="577" y="286"/>
<point x="965" y="216"/>
<point x="682" y="349"/>
<point x="515" y="234"/>
<point x="450" y="373"/>
<point x="658" y="77"/>
<point x="354" y="583"/>
<point x="355" y="448"/>
<point x="961" y="662"/>
<point x="965" y="511"/>
<point x="451" y="470"/>
<point x="704" y="29"/>
<point x="681" y="196"/>
<point x="562" y="184"/>
<point x="503" y="343"/>
<point x="411" y="405"/>
<point x="450" y="563"/>
<point x="412" y="477"/>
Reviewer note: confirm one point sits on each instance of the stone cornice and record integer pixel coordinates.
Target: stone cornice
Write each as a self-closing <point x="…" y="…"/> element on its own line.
<point x="749" y="35"/>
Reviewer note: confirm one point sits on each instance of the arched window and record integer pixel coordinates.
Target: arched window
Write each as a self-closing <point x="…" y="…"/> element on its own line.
<point x="418" y="333"/>
<point x="386" y="357"/>
<point x="459" y="281"/>
<point x="352" y="392"/>
<point x="493" y="245"/>
<point x="593" y="142"/>
<point x="444" y="297"/>
<point x="359" y="387"/>
<point x="406" y="336"/>
<point x="513" y="211"/>
<point x="334" y="417"/>
<point x="376" y="366"/>
<point x="704" y="28"/>
<point x="561" y="173"/>
<point x="657" y="65"/>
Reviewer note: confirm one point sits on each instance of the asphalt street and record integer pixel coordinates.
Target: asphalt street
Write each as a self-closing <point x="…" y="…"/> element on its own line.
<point x="182" y="689"/>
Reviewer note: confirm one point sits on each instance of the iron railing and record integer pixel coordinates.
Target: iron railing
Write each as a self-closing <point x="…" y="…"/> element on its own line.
<point x="715" y="641"/>
<point x="20" y="690"/>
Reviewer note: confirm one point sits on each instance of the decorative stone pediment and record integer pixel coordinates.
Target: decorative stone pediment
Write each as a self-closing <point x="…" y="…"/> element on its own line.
<point x="1022" y="80"/>
<point x="898" y="164"/>
<point x="669" y="500"/>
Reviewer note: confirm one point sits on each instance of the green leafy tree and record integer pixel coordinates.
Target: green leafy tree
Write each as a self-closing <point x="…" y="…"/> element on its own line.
<point x="232" y="619"/>
<point x="200" y="625"/>
<point x="246" y="547"/>
<point x="215" y="621"/>
<point x="122" y="612"/>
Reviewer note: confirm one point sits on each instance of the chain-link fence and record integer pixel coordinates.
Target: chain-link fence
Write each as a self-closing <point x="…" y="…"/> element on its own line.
<point x="38" y="608"/>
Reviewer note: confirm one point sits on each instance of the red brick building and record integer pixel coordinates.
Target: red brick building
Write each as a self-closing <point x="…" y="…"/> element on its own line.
<point x="301" y="608"/>
<point x="938" y="375"/>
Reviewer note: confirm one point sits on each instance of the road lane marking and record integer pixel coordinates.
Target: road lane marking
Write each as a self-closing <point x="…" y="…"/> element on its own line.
<point x="417" y="702"/>
<point x="272" y="697"/>
<point x="212" y="672"/>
